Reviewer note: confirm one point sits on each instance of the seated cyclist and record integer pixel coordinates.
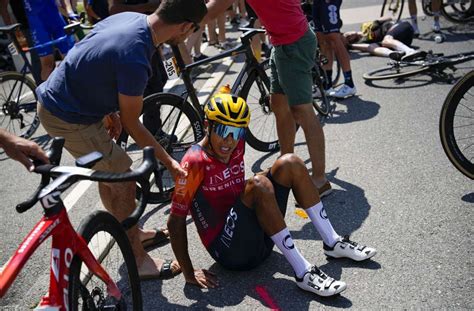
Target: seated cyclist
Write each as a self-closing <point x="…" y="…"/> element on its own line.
<point x="383" y="37"/>
<point x="240" y="221"/>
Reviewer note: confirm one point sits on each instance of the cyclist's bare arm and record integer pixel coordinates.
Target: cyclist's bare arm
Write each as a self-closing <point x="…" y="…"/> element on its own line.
<point x="130" y="110"/>
<point x="179" y="243"/>
<point x="214" y="8"/>
<point x="118" y="6"/>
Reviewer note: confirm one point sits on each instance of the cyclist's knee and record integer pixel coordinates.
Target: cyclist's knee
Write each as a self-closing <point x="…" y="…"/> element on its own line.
<point x="260" y="185"/>
<point x="288" y="164"/>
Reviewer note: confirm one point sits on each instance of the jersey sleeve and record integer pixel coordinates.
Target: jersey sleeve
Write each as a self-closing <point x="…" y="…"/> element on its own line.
<point x="186" y="188"/>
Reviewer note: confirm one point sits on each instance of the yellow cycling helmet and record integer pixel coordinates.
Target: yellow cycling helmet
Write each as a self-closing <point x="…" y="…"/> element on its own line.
<point x="228" y="109"/>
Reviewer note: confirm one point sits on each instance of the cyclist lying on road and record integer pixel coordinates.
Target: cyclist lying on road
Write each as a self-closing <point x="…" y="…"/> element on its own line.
<point x="383" y="37"/>
<point x="239" y="221"/>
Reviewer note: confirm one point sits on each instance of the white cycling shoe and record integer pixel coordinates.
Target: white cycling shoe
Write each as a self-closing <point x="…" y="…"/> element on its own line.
<point x="319" y="283"/>
<point x="344" y="91"/>
<point x="349" y="249"/>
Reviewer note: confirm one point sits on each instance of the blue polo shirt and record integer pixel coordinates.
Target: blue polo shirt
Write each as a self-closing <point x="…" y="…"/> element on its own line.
<point x="114" y="58"/>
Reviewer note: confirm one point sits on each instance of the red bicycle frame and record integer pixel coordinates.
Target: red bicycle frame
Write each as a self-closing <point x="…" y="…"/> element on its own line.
<point x="65" y="244"/>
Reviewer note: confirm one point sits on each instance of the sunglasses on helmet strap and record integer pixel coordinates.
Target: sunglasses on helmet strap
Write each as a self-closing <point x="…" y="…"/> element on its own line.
<point x="225" y="130"/>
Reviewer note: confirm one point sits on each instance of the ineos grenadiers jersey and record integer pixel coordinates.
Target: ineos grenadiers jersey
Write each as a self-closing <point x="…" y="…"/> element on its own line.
<point x="210" y="189"/>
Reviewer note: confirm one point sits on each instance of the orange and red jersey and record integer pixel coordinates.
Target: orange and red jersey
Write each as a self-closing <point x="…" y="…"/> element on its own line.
<point x="209" y="190"/>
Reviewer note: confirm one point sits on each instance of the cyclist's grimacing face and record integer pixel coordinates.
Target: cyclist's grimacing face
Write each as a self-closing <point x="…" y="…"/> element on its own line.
<point x="224" y="140"/>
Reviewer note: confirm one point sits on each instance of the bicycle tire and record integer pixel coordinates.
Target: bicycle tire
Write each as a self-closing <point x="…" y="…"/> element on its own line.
<point x="392" y="72"/>
<point x="105" y="236"/>
<point x="426" y="7"/>
<point x="451" y="129"/>
<point x="336" y="70"/>
<point x="18" y="102"/>
<point x="181" y="127"/>
<point x="397" y="14"/>
<point x="261" y="133"/>
<point x="458" y="12"/>
<point x="321" y="102"/>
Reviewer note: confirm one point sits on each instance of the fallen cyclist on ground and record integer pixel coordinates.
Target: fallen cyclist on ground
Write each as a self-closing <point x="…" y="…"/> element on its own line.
<point x="384" y="37"/>
<point x="240" y="221"/>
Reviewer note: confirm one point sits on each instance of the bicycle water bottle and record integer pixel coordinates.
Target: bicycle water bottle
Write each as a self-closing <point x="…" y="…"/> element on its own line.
<point x="438" y="38"/>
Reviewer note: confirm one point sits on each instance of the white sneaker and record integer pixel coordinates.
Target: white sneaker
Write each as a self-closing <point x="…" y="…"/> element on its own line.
<point x="318" y="282"/>
<point x="317" y="92"/>
<point x="344" y="91"/>
<point x="349" y="249"/>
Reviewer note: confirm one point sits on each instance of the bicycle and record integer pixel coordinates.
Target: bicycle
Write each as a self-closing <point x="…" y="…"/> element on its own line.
<point x="182" y="121"/>
<point x="456" y="127"/>
<point x="432" y="63"/>
<point x="457" y="11"/>
<point x="82" y="261"/>
<point x="18" y="99"/>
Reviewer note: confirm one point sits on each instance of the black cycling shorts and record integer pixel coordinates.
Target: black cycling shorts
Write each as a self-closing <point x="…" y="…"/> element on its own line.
<point x="326" y="16"/>
<point x="242" y="244"/>
<point x="402" y="31"/>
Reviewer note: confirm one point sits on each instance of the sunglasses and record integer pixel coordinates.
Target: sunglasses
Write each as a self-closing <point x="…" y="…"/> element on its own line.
<point x="225" y="130"/>
<point x="195" y="25"/>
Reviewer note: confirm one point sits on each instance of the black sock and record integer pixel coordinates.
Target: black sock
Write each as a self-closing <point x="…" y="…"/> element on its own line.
<point x="348" y="78"/>
<point x="328" y="83"/>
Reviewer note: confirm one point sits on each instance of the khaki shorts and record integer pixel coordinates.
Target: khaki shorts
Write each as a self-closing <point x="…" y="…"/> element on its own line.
<point x="291" y="66"/>
<point x="82" y="139"/>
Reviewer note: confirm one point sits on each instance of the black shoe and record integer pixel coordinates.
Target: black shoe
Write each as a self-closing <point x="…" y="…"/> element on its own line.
<point x="418" y="55"/>
<point x="200" y="57"/>
<point x="204" y="37"/>
<point x="396" y="55"/>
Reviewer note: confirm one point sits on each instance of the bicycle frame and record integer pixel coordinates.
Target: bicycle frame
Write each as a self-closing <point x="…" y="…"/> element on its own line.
<point x="185" y="70"/>
<point x="65" y="244"/>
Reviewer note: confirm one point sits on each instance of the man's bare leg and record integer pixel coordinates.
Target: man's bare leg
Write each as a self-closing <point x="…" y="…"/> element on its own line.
<point x="119" y="200"/>
<point x="286" y="129"/>
<point x="47" y="66"/>
<point x="314" y="135"/>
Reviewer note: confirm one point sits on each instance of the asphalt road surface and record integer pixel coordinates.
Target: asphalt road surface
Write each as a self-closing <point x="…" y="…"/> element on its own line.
<point x="394" y="189"/>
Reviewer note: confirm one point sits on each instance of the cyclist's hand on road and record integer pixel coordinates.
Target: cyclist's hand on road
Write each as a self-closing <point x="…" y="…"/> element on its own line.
<point x="203" y="278"/>
<point x="113" y="125"/>
<point x="176" y="170"/>
<point x="22" y="150"/>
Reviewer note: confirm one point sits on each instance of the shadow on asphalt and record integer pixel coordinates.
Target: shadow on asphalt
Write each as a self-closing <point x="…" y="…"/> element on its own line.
<point x="469" y="198"/>
<point x="355" y="109"/>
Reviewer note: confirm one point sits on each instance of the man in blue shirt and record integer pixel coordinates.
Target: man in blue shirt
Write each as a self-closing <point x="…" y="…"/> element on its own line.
<point x="105" y="73"/>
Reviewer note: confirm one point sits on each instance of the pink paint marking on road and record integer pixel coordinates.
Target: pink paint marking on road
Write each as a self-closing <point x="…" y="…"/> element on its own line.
<point x="262" y="292"/>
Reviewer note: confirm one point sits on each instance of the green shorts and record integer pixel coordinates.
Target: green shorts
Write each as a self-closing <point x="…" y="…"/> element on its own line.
<point x="291" y="66"/>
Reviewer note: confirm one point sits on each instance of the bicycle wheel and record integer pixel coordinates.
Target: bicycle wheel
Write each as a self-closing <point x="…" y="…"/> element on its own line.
<point x="18" y="104"/>
<point x="261" y="133"/>
<point x="392" y="8"/>
<point x="458" y="11"/>
<point x="321" y="101"/>
<point x="395" y="71"/>
<point x="456" y="125"/>
<point x="109" y="244"/>
<point x="426" y="7"/>
<point x="176" y="126"/>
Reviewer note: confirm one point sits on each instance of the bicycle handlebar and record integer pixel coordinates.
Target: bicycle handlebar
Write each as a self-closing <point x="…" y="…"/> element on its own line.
<point x="73" y="174"/>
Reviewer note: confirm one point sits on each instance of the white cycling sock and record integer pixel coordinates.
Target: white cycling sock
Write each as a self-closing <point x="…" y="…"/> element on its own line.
<point x="320" y="220"/>
<point x="285" y="244"/>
